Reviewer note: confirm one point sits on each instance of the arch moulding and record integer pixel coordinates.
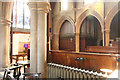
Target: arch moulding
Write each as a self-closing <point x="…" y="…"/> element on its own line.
<point x="108" y="20"/>
<point x="87" y="13"/>
<point x="110" y="16"/>
<point x="81" y="19"/>
<point x="61" y="21"/>
<point x="58" y="27"/>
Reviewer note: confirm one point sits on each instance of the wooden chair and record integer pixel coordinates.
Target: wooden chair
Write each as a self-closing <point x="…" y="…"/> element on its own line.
<point x="28" y="54"/>
<point x="15" y="70"/>
<point x="32" y="76"/>
<point x="7" y="75"/>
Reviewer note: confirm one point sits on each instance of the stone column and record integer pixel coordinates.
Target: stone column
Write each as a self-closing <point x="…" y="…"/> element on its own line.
<point x="4" y="42"/>
<point x="55" y="41"/>
<point x="38" y="32"/>
<point x="103" y="37"/>
<point x="5" y="17"/>
<point x="77" y="42"/>
<point x="107" y="37"/>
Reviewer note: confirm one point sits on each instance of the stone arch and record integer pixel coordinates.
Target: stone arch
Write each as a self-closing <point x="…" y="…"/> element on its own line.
<point x="58" y="27"/>
<point x="81" y="18"/>
<point x="87" y="13"/>
<point x="108" y="20"/>
<point x="110" y="16"/>
<point x="61" y="21"/>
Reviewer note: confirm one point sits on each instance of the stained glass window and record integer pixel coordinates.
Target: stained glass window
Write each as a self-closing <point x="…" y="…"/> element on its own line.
<point x="21" y="15"/>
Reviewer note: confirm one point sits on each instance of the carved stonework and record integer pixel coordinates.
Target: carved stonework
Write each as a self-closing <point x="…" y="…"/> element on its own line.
<point x="41" y="6"/>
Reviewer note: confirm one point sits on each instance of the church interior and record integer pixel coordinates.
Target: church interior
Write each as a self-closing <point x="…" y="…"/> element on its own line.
<point x="63" y="39"/>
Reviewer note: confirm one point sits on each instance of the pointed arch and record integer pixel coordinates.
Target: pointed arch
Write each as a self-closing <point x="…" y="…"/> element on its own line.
<point x="108" y="20"/>
<point x="82" y="16"/>
<point x="110" y="16"/>
<point x="58" y="27"/>
<point x="61" y="21"/>
<point x="87" y="13"/>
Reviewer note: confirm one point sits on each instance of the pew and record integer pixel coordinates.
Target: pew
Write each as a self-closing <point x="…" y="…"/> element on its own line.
<point x="85" y="60"/>
<point x="103" y="49"/>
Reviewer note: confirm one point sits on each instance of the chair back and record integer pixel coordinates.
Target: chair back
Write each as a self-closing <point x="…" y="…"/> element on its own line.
<point x="7" y="75"/>
<point x="15" y="70"/>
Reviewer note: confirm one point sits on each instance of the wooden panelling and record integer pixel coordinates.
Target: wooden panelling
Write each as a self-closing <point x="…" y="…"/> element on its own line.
<point x="67" y="44"/>
<point x="89" y="61"/>
<point x="102" y="49"/>
<point x="116" y="44"/>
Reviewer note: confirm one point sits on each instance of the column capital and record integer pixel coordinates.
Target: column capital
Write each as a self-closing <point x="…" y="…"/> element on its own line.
<point x="41" y="6"/>
<point x="5" y="21"/>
